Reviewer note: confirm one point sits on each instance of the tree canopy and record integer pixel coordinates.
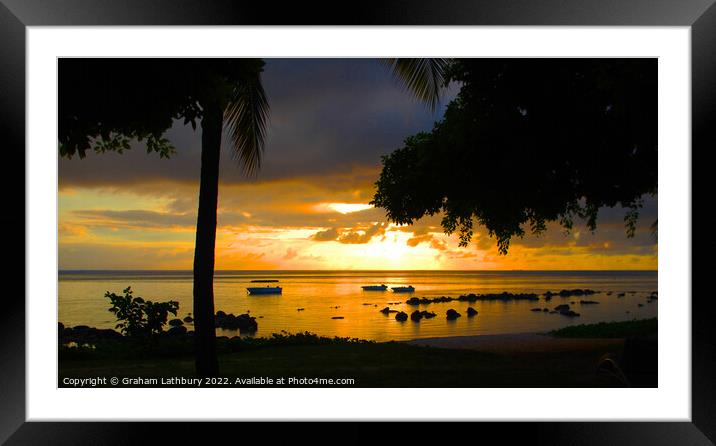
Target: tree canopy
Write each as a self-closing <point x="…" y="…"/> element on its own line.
<point x="106" y="103"/>
<point x="530" y="141"/>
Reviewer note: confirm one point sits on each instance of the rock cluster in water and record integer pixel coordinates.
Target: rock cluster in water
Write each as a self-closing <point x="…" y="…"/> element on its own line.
<point x="175" y="323"/>
<point x="82" y="334"/>
<point x="417" y="315"/>
<point x="472" y="298"/>
<point x="242" y="322"/>
<point x="387" y="310"/>
<point x="565" y="311"/>
<point x="569" y="293"/>
<point x="401" y="316"/>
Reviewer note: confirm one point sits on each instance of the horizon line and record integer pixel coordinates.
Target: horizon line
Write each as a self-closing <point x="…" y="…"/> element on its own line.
<point x="350" y="270"/>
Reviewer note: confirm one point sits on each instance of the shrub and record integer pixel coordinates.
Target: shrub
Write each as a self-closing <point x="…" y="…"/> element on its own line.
<point x="138" y="317"/>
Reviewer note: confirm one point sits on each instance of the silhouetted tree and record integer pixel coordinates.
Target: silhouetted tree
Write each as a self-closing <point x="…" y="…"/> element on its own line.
<point x="106" y="103"/>
<point x="529" y="141"/>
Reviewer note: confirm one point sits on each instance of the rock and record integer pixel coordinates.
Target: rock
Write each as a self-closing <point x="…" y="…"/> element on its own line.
<point x="569" y="313"/>
<point x="428" y="314"/>
<point x="576" y="292"/>
<point x="242" y="322"/>
<point x="470" y="298"/>
<point x="561" y="307"/>
<point x="536" y="309"/>
<point x="471" y="312"/>
<point x="175" y="323"/>
<point x="188" y="319"/>
<point x="300" y="309"/>
<point x="220" y="314"/>
<point x="548" y="298"/>
<point x="621" y="294"/>
<point x="416" y="316"/>
<point x="588" y="302"/>
<point x="452" y="314"/>
<point x="177" y="330"/>
<point x="545" y="309"/>
<point x="337" y="317"/>
<point x="401" y="316"/>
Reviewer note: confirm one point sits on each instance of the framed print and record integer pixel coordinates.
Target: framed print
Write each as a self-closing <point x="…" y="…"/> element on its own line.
<point x="232" y="218"/>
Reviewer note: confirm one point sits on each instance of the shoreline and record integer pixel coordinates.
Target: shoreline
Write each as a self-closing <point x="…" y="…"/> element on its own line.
<point x="514" y="343"/>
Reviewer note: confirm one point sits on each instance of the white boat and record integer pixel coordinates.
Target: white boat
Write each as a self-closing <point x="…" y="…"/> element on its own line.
<point x="264" y="290"/>
<point x="375" y="287"/>
<point x="403" y="289"/>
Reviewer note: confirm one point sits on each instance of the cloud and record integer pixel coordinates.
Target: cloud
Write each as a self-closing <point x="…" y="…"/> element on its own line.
<point x="350" y="236"/>
<point x="326" y="115"/>
<point x="328" y="235"/>
<point x="138" y="218"/>
<point x="416" y="240"/>
<point x="362" y="235"/>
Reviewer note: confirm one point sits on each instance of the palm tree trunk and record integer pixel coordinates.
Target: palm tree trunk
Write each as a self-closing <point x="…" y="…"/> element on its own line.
<point x="205" y="334"/>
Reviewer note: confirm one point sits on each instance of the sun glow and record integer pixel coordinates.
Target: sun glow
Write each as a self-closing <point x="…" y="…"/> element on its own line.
<point x="344" y="208"/>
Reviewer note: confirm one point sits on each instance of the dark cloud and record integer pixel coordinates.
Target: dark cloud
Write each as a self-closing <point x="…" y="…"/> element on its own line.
<point x="326" y="114"/>
<point x="350" y="236"/>
<point x="134" y="218"/>
<point x="328" y="235"/>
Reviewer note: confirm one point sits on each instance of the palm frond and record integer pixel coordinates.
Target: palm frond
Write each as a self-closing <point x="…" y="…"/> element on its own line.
<point x="423" y="77"/>
<point x="246" y="116"/>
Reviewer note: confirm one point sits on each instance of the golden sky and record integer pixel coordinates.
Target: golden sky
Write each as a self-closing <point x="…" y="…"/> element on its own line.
<point x="308" y="223"/>
<point x="331" y="120"/>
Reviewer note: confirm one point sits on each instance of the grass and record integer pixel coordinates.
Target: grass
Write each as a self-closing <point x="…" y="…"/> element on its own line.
<point x="609" y="329"/>
<point x="391" y="364"/>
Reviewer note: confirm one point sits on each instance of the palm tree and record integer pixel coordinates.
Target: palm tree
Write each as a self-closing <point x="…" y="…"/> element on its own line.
<point x="245" y="112"/>
<point x="120" y="104"/>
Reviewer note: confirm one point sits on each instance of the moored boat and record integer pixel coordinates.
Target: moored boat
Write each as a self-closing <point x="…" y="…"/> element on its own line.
<point x="264" y="290"/>
<point x="375" y="287"/>
<point x="403" y="289"/>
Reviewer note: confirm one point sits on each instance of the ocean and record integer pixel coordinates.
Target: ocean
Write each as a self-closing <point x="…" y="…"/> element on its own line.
<point x="324" y="295"/>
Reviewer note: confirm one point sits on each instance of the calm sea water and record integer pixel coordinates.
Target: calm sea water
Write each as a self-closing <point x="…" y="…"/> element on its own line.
<point x="82" y="301"/>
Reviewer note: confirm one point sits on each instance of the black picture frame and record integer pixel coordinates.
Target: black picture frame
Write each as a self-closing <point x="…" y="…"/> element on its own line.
<point x="16" y="15"/>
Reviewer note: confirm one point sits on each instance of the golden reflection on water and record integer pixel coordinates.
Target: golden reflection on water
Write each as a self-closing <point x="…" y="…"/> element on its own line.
<point x="82" y="302"/>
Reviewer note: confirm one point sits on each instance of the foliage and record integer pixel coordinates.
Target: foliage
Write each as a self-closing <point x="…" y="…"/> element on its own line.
<point x="139" y="317"/>
<point x="609" y="329"/>
<point x="529" y="141"/>
<point x="106" y="103"/>
<point x="285" y="338"/>
<point x="423" y="77"/>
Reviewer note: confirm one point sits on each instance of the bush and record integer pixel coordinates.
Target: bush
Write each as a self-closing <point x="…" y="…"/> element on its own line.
<point x="138" y="317"/>
<point x="612" y="330"/>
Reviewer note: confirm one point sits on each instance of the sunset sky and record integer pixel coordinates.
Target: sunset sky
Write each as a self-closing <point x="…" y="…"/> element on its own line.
<point x="331" y="120"/>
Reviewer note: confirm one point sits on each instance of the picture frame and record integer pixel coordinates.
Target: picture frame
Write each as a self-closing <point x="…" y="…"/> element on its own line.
<point x="17" y="15"/>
